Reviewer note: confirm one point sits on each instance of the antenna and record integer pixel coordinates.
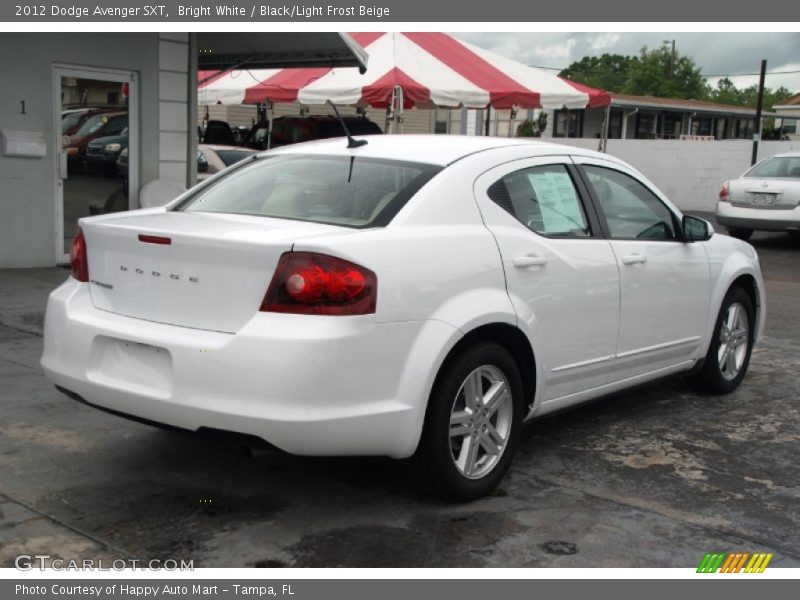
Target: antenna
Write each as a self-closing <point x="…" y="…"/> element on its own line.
<point x="351" y="141"/>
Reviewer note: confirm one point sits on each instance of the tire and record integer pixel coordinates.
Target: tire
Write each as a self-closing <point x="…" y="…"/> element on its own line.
<point x="740" y="234"/>
<point x="443" y="465"/>
<point x="723" y="370"/>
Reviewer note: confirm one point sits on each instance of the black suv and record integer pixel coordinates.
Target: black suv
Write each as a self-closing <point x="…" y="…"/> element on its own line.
<point x="291" y="130"/>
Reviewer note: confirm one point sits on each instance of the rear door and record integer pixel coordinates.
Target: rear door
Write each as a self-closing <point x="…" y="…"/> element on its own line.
<point x="664" y="282"/>
<point x="561" y="274"/>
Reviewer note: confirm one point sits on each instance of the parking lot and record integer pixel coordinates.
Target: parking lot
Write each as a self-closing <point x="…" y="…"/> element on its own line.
<point x="656" y="477"/>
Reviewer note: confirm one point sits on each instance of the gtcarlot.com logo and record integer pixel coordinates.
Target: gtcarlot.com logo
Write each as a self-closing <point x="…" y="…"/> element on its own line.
<point x="29" y="562"/>
<point x="734" y="562"/>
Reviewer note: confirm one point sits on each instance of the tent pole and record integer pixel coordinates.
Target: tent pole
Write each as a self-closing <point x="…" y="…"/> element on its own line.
<point x="398" y="111"/>
<point x="512" y="120"/>
<point x="270" y="115"/>
<point x="606" y="123"/>
<point x="488" y="119"/>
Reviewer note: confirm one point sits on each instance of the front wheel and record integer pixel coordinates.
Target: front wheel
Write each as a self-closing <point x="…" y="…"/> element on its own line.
<point x="472" y="426"/>
<point x="731" y="344"/>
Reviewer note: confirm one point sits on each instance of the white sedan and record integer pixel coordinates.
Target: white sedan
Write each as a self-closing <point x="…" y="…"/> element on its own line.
<point x="766" y="197"/>
<point x="418" y="297"/>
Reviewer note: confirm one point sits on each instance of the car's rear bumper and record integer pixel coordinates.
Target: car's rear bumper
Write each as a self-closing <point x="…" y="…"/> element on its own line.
<point x="308" y="385"/>
<point x="758" y="218"/>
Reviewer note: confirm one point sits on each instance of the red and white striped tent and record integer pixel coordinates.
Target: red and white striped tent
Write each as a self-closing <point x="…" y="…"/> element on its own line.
<point x="431" y="69"/>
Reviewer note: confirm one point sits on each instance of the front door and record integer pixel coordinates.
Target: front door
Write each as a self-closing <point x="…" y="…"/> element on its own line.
<point x="664" y="282"/>
<point x="95" y="133"/>
<point x="561" y="274"/>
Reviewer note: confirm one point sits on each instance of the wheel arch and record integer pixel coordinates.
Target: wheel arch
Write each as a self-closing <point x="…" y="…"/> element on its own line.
<point x="513" y="340"/>
<point x="754" y="289"/>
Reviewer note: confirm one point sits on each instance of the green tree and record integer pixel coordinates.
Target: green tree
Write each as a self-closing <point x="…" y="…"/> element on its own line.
<point x="726" y="92"/>
<point x="606" y="72"/>
<point x="658" y="73"/>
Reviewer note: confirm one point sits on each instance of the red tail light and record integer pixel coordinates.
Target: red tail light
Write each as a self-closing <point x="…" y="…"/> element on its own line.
<point x="78" y="259"/>
<point x="723" y="192"/>
<point x="317" y="284"/>
<point x="155" y="239"/>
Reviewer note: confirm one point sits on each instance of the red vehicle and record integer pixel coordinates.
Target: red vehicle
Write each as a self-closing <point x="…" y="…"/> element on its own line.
<point x="100" y="125"/>
<point x="72" y="119"/>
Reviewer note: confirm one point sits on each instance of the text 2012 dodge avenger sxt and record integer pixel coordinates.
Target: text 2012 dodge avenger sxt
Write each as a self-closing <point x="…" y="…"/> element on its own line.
<point x="417" y="297"/>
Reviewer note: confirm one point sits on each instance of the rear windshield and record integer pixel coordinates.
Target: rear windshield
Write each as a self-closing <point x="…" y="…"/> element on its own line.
<point x="338" y="190"/>
<point x="780" y="166"/>
<point x="71" y="119"/>
<point x="230" y="157"/>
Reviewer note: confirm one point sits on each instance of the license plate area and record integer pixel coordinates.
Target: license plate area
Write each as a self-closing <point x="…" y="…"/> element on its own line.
<point x="759" y="199"/>
<point x="132" y="366"/>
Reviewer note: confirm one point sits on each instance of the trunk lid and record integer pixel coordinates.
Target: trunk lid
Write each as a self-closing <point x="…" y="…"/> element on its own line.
<point x="767" y="192"/>
<point x="212" y="274"/>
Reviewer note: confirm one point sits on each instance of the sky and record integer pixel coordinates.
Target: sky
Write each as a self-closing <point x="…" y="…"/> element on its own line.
<point x="716" y="53"/>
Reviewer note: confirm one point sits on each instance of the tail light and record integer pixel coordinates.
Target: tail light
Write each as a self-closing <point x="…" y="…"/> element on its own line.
<point x="724" y="191"/>
<point x="78" y="259"/>
<point x="317" y="284"/>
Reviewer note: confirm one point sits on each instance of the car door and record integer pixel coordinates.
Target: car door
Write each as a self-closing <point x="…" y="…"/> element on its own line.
<point x="664" y="281"/>
<point x="561" y="274"/>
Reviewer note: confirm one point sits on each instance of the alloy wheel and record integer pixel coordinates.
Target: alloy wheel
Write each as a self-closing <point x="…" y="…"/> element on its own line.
<point x="480" y="421"/>
<point x="734" y="335"/>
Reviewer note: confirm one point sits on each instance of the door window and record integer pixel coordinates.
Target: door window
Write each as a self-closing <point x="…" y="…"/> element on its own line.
<point x="631" y="210"/>
<point x="544" y="199"/>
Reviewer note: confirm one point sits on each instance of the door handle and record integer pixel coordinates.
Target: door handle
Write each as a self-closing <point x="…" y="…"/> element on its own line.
<point x="530" y="260"/>
<point x="634" y="259"/>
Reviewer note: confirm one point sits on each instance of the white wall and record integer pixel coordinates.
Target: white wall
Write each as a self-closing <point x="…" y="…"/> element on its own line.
<point x="173" y="106"/>
<point x="27" y="185"/>
<point x="690" y="173"/>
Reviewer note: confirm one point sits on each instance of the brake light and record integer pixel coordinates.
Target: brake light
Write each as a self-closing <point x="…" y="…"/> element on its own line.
<point x="78" y="259"/>
<point x="317" y="284"/>
<point x="723" y="192"/>
<point x="155" y="239"/>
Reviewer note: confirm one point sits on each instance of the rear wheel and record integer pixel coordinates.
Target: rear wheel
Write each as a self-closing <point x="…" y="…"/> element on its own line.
<point x="472" y="426"/>
<point x="740" y="234"/>
<point x="731" y="344"/>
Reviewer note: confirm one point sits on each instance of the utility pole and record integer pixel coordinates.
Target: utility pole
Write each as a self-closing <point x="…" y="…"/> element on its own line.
<point x="671" y="59"/>
<point x="759" y="106"/>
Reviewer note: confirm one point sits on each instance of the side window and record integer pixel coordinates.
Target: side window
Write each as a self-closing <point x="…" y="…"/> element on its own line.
<point x="631" y="210"/>
<point x="117" y="124"/>
<point x="544" y="199"/>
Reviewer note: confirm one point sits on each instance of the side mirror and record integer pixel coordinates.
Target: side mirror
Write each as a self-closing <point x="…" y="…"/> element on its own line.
<point x="202" y="163"/>
<point x="696" y="229"/>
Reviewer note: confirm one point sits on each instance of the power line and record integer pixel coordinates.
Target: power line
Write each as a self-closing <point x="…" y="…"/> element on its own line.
<point x="592" y="72"/>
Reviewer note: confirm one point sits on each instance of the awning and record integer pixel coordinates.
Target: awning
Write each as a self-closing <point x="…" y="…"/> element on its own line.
<point x="278" y="50"/>
<point x="433" y="69"/>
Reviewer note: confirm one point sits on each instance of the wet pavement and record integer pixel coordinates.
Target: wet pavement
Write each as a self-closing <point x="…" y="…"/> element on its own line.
<point x="654" y="477"/>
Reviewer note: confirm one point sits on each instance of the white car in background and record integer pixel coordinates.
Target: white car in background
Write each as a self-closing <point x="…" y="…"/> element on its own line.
<point x="766" y="197"/>
<point x="418" y="297"/>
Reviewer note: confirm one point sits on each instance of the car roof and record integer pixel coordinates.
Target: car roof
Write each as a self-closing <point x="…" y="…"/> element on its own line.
<point x="794" y="154"/>
<point x="432" y="149"/>
<point x="226" y="147"/>
<point x="321" y="117"/>
<point x="118" y="113"/>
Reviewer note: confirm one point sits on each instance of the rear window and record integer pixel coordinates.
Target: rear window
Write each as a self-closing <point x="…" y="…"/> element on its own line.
<point x="232" y="156"/>
<point x="71" y="119"/>
<point x="780" y="166"/>
<point x="337" y="190"/>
